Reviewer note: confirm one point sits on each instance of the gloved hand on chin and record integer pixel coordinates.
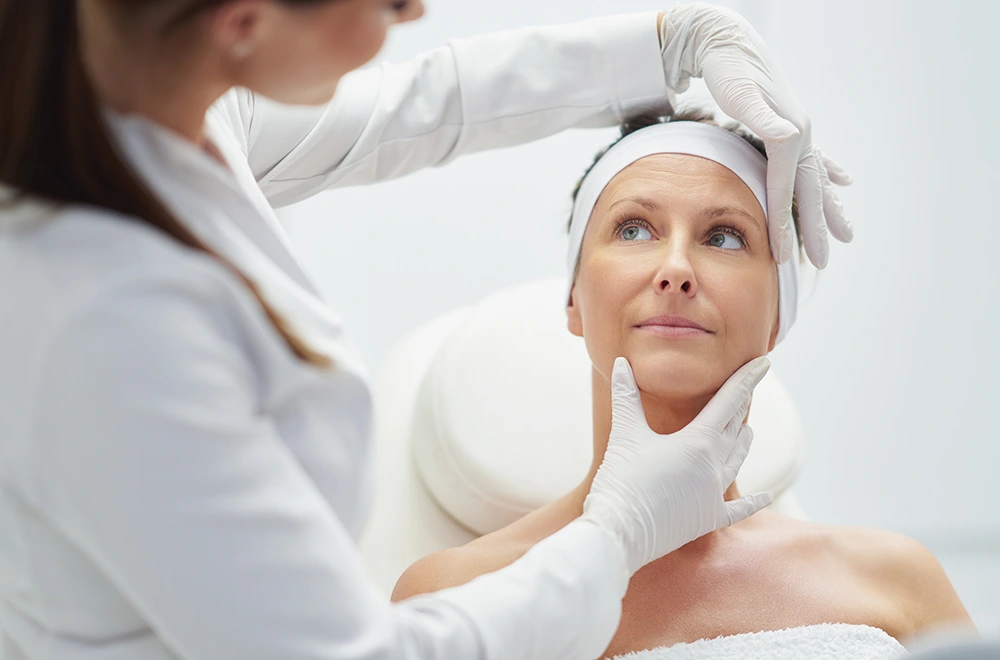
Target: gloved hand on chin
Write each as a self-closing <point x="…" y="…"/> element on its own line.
<point x="654" y="493"/>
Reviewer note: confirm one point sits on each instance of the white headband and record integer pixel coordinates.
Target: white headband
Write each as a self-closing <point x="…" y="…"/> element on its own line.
<point x="695" y="139"/>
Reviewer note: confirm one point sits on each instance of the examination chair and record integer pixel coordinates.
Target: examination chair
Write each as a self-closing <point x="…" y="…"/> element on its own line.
<point x="484" y="414"/>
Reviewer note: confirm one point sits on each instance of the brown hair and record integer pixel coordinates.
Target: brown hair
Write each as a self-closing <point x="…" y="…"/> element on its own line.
<point x="53" y="141"/>
<point x="700" y="115"/>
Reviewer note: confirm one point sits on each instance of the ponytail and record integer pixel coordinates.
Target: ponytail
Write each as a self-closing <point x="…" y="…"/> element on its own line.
<point x="54" y="144"/>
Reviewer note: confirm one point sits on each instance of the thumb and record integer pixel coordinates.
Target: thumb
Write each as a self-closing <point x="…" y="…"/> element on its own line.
<point x="626" y="404"/>
<point x="748" y="505"/>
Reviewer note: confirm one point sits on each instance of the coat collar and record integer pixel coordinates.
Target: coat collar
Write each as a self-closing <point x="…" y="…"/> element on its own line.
<point x="223" y="205"/>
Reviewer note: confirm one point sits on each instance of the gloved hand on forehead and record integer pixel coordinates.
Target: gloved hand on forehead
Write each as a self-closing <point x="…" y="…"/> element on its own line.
<point x="655" y="493"/>
<point x="716" y="44"/>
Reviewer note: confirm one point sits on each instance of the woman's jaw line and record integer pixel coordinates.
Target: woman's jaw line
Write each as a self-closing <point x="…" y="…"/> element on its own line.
<point x="664" y="416"/>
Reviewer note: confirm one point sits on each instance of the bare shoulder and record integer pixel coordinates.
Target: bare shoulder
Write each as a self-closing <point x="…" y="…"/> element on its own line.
<point x="905" y="573"/>
<point x="455" y="566"/>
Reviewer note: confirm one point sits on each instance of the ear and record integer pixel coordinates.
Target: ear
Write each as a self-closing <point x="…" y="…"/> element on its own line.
<point x="237" y="26"/>
<point x="573" y="318"/>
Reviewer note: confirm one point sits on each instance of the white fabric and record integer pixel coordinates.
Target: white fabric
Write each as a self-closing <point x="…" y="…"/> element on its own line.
<point x="173" y="482"/>
<point x="825" y="641"/>
<point x="694" y="139"/>
<point x="502" y="421"/>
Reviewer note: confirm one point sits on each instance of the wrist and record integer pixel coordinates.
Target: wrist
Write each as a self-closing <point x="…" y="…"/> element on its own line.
<point x="610" y="523"/>
<point x="615" y="548"/>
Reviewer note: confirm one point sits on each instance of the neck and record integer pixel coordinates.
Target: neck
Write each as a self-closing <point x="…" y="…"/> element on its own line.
<point x="663" y="416"/>
<point x="133" y="71"/>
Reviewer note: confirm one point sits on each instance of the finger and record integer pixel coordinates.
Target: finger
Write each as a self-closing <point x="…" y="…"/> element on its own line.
<point x="782" y="167"/>
<point x="838" y="224"/>
<point x="812" y="221"/>
<point x="626" y="403"/>
<point x="733" y="396"/>
<point x="731" y="434"/>
<point x="739" y="454"/>
<point x="410" y="10"/>
<point x="741" y="509"/>
<point x="783" y="142"/>
<point x="838" y="174"/>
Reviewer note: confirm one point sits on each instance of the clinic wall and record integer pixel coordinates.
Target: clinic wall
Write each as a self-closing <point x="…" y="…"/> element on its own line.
<point x="895" y="359"/>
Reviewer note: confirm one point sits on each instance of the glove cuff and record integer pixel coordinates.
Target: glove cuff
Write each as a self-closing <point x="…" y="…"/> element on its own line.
<point x="610" y="521"/>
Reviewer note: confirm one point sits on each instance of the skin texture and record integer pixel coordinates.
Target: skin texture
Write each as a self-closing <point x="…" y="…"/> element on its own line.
<point x="663" y="261"/>
<point x="294" y="54"/>
<point x="678" y="254"/>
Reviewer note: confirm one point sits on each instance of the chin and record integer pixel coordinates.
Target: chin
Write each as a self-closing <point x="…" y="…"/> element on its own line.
<point x="677" y="374"/>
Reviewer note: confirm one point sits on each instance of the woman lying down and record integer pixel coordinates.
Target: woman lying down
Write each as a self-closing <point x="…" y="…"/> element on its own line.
<point x="673" y="270"/>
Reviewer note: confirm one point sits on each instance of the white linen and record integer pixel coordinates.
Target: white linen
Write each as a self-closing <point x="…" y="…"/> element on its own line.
<point x="173" y="482"/>
<point x="486" y="467"/>
<point x="825" y="641"/>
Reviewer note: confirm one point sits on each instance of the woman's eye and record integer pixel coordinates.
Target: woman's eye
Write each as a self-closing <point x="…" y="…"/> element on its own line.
<point x="631" y="232"/>
<point x="724" y="241"/>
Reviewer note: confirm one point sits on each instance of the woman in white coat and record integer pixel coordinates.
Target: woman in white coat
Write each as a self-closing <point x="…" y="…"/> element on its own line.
<point x="184" y="425"/>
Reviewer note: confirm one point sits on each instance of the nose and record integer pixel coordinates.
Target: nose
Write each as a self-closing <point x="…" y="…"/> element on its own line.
<point x="676" y="274"/>
<point x="408" y="10"/>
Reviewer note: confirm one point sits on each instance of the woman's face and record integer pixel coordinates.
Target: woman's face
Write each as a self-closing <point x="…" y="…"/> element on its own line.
<point x="680" y="236"/>
<point x="302" y="50"/>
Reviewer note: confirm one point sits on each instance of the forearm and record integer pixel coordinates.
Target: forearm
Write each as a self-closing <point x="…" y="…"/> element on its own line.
<point x="562" y="599"/>
<point x="485" y="92"/>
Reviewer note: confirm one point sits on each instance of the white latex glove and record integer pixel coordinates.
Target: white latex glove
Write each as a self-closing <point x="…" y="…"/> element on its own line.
<point x="655" y="493"/>
<point x="716" y="44"/>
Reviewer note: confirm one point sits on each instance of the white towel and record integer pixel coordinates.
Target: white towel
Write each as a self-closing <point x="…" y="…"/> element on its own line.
<point x="824" y="641"/>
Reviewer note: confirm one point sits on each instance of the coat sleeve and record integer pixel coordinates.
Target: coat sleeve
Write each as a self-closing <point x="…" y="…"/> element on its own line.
<point x="154" y="460"/>
<point x="477" y="93"/>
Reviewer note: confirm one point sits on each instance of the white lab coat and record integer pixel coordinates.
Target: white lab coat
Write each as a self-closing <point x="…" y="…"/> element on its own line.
<point x="175" y="483"/>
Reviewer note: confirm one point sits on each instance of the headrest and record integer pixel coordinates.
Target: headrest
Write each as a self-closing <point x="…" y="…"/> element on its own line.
<point x="502" y="421"/>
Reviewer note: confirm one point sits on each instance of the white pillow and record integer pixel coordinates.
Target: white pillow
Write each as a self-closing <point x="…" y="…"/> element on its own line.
<point x="502" y="421"/>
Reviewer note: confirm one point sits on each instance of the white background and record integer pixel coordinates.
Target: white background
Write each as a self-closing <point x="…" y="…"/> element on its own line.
<point x="895" y="358"/>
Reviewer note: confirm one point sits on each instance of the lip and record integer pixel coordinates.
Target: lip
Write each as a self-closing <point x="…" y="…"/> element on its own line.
<point x="673" y="326"/>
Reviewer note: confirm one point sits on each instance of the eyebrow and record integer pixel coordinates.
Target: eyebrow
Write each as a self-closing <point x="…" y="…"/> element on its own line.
<point x="646" y="202"/>
<point x="718" y="211"/>
<point x="710" y="214"/>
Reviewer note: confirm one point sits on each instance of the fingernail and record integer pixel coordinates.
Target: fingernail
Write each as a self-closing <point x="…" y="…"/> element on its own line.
<point x="760" y="370"/>
<point x="620" y="376"/>
<point x="824" y="259"/>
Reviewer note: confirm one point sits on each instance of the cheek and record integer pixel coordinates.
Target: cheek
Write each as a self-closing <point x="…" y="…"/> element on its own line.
<point x="603" y="288"/>
<point x="326" y="45"/>
<point x="748" y="310"/>
<point x="355" y="34"/>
